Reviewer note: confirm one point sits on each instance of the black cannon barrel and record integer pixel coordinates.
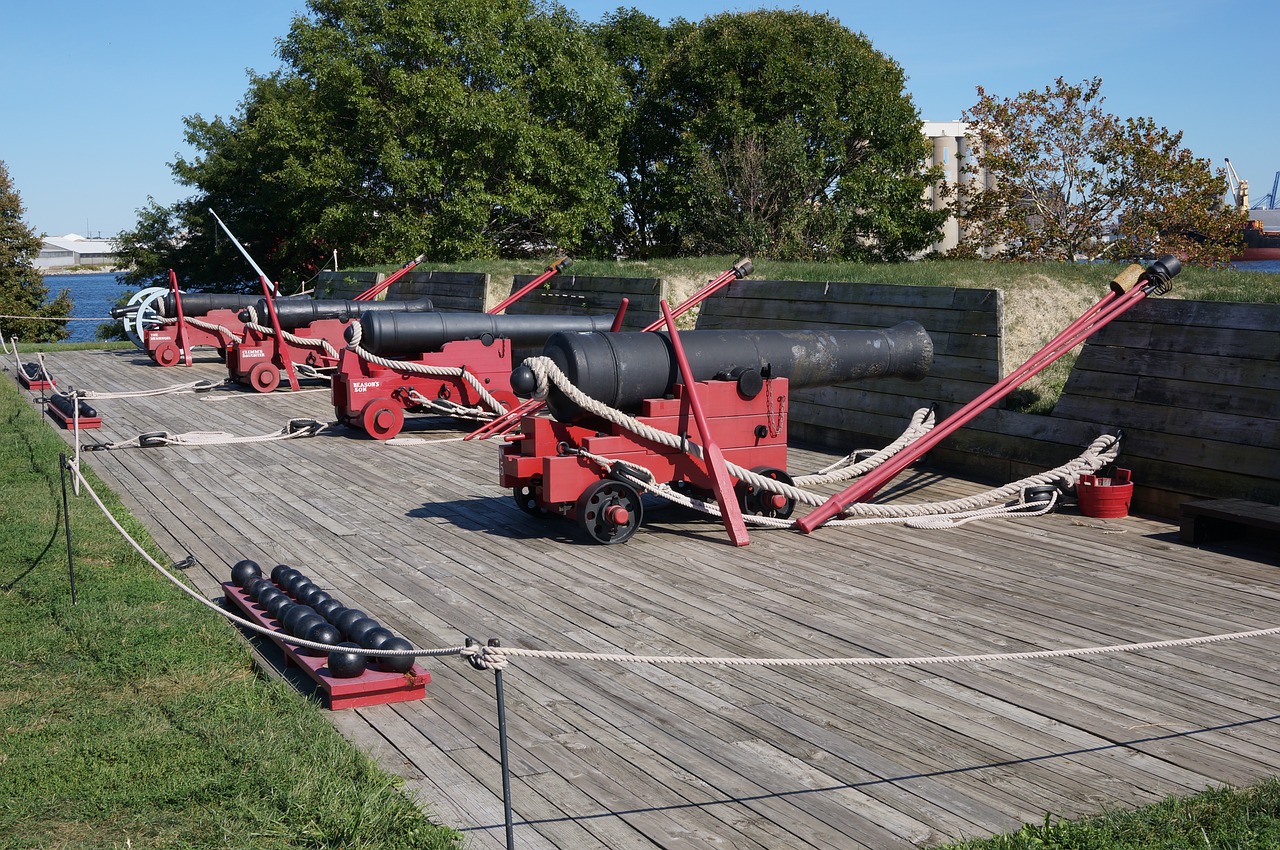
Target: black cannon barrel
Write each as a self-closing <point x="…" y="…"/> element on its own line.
<point x="199" y="303"/>
<point x="624" y="369"/>
<point x="298" y="312"/>
<point x="391" y="334"/>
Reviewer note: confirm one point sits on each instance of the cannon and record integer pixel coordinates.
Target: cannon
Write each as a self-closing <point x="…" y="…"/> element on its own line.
<point x="316" y="327"/>
<point x="583" y="463"/>
<point x="442" y="363"/>
<point x="192" y="320"/>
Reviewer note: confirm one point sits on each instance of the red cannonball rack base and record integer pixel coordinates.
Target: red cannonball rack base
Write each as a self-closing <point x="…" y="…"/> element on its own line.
<point x="38" y="385"/>
<point x="69" y="423"/>
<point x="372" y="687"/>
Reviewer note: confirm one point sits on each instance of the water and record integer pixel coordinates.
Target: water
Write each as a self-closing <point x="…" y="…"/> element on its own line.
<point x="94" y="296"/>
<point x="1258" y="266"/>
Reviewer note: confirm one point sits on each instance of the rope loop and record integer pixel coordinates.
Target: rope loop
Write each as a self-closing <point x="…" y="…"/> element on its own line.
<point x="483" y="657"/>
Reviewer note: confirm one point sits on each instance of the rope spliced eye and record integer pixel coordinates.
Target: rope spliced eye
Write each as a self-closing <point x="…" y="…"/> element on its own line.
<point x="153" y="439"/>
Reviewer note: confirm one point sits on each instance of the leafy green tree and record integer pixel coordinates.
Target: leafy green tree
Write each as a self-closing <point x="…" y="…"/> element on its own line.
<point x="458" y="128"/>
<point x="796" y="140"/>
<point x="22" y="289"/>
<point x="1066" y="180"/>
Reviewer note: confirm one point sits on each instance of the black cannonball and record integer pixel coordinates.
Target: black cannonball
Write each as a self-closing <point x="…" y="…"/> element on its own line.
<point x="361" y="627"/>
<point x="375" y="638"/>
<point x="297" y="584"/>
<point x="282" y="578"/>
<point x="312" y="594"/>
<point x="344" y="664"/>
<point x="279" y="605"/>
<point x="266" y="592"/>
<point x="244" y="570"/>
<point x="347" y="617"/>
<point x="303" y="623"/>
<point x="254" y="586"/>
<point x="328" y="607"/>
<point x="323" y="632"/>
<point x="395" y="663"/>
<point x="294" y="613"/>
<point x="277" y="570"/>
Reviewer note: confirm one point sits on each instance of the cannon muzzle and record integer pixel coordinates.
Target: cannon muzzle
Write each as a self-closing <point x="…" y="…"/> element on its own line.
<point x="200" y="303"/>
<point x="296" y="313"/>
<point x="398" y="334"/>
<point x="623" y="369"/>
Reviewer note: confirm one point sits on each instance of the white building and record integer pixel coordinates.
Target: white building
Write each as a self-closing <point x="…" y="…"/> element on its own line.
<point x="951" y="150"/>
<point x="59" y="252"/>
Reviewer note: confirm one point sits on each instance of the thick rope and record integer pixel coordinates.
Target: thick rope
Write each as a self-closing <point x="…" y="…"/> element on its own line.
<point x="203" y="325"/>
<point x="922" y="422"/>
<point x="423" y="369"/>
<point x="63" y="318"/>
<point x="295" y="429"/>
<point x="294" y="339"/>
<point x="190" y="387"/>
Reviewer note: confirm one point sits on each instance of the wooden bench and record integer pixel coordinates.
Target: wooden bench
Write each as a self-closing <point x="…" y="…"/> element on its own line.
<point x="1213" y="519"/>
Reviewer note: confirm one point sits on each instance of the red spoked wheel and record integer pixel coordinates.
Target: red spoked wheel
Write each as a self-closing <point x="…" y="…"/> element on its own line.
<point x="264" y="377"/>
<point x="382" y="418"/>
<point x="758" y="502"/>
<point x="526" y="496"/>
<point x="610" y="511"/>
<point x="167" y="354"/>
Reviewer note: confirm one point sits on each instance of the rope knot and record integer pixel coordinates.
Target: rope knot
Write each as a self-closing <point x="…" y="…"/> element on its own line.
<point x="483" y="657"/>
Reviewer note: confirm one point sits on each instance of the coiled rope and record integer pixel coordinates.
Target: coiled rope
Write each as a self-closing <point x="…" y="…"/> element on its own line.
<point x="353" y="343"/>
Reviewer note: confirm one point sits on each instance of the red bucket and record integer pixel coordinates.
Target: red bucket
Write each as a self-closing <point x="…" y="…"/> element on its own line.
<point x="1105" y="498"/>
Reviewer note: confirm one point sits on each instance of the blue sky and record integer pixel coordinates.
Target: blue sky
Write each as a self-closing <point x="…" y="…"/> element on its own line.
<point x="94" y="93"/>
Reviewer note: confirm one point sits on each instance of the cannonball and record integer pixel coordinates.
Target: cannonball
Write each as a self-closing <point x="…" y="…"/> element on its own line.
<point x="254" y="586"/>
<point x="297" y="584"/>
<point x="294" y="613"/>
<point x="347" y="617"/>
<point x="395" y="663"/>
<point x="375" y="638"/>
<point x="244" y="570"/>
<point x="344" y="664"/>
<point x="277" y="570"/>
<point x="282" y="578"/>
<point x="266" y="592"/>
<point x="312" y="594"/>
<point x="279" y="605"/>
<point x="322" y="632"/>
<point x="328" y="607"/>
<point x="361" y="627"/>
<point x="303" y="623"/>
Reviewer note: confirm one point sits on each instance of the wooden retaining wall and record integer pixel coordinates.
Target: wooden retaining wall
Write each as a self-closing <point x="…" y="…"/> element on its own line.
<point x="965" y="325"/>
<point x="579" y="295"/>
<point x="344" y="285"/>
<point x="451" y="292"/>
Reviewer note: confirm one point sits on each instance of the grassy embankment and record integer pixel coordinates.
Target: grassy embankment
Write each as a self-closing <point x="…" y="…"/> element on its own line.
<point x="135" y="718"/>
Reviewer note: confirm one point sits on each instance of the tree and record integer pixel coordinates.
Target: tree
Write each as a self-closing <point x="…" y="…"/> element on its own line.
<point x="22" y="289"/>
<point x="795" y="140"/>
<point x="458" y="128"/>
<point x="1066" y="180"/>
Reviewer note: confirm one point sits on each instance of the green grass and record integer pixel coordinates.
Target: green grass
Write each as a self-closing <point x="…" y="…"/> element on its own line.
<point x="135" y="717"/>
<point x="1215" y="819"/>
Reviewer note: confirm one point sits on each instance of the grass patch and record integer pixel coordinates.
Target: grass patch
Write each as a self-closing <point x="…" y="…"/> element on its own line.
<point x="135" y="717"/>
<point x="1215" y="819"/>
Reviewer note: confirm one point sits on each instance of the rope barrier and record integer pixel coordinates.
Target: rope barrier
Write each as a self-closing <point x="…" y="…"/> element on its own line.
<point x="202" y="386"/>
<point x="497" y="657"/>
<point x="294" y="429"/>
<point x="62" y="318"/>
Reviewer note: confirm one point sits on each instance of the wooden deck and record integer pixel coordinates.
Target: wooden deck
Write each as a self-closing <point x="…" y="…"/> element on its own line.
<point x="633" y="756"/>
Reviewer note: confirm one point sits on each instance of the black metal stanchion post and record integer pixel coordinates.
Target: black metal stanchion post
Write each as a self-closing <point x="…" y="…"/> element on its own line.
<point x="479" y="663"/>
<point x="66" y="523"/>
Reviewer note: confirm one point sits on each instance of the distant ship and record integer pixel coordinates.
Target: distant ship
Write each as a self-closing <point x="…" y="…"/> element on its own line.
<point x="1261" y="236"/>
